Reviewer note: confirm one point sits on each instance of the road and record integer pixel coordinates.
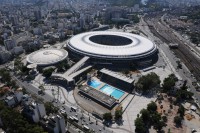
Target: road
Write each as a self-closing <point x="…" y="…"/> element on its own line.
<point x="87" y="120"/>
<point x="184" y="73"/>
<point x="167" y="35"/>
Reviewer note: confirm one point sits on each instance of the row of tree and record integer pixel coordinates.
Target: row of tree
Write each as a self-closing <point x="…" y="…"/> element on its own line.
<point x="6" y="78"/>
<point x="150" y="117"/>
<point x="118" y="115"/>
<point x="169" y="87"/>
<point x="151" y="82"/>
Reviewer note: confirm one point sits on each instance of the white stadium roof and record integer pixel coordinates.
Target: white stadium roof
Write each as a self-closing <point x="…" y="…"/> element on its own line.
<point x="137" y="46"/>
<point x="47" y="56"/>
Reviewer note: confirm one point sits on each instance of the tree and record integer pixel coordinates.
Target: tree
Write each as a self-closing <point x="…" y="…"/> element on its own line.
<point x="118" y="114"/>
<point x="48" y="72"/>
<point x="183" y="94"/>
<point x="136" y="19"/>
<point x="152" y="107"/>
<point x="181" y="111"/>
<point x="177" y="120"/>
<point x="184" y="86"/>
<point x="139" y="126"/>
<point x="50" y="108"/>
<point x="145" y="115"/>
<point x="25" y="70"/>
<point x="169" y="83"/>
<point x="164" y="118"/>
<point x="63" y="66"/>
<point x="5" y="75"/>
<point x="17" y="63"/>
<point x="13" y="84"/>
<point x="155" y="118"/>
<point x="179" y="65"/>
<point x="148" y="82"/>
<point x="107" y="116"/>
<point x="159" y="125"/>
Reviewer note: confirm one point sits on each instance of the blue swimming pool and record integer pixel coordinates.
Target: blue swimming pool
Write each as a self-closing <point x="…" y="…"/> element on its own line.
<point x="109" y="90"/>
<point x="94" y="83"/>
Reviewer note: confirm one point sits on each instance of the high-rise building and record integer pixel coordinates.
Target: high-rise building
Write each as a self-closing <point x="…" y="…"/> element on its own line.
<point x="37" y="14"/>
<point x="54" y="124"/>
<point x="34" y="111"/>
<point x="14" y="20"/>
<point x="9" y="44"/>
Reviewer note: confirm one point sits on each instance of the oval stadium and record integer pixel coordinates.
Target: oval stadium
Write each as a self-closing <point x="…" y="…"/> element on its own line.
<point x="47" y="57"/>
<point x="112" y="46"/>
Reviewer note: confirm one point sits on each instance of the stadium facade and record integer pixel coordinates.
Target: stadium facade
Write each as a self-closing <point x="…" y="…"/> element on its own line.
<point x="112" y="47"/>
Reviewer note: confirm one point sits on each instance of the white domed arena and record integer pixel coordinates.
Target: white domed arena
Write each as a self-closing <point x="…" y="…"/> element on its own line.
<point x="46" y="57"/>
<point x="108" y="46"/>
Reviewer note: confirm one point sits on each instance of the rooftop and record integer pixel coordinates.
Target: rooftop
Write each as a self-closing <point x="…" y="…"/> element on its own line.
<point x="117" y="75"/>
<point x="47" y="56"/>
<point x="111" y="44"/>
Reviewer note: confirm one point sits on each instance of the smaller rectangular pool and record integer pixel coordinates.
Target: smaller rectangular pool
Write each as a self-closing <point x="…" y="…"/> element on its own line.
<point x="109" y="90"/>
<point x="94" y="83"/>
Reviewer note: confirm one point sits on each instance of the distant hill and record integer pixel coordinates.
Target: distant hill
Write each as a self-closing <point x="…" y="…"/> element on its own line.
<point x="124" y="2"/>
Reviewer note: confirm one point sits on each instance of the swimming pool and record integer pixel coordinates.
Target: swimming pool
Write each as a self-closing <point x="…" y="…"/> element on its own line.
<point x="94" y="83"/>
<point x="109" y="90"/>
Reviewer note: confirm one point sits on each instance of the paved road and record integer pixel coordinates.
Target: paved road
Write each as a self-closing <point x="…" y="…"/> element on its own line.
<point x="184" y="73"/>
<point x="87" y="120"/>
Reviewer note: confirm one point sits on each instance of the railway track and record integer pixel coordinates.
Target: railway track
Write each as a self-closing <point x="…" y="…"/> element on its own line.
<point x="182" y="52"/>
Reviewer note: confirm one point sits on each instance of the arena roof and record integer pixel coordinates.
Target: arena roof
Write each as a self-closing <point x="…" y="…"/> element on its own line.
<point x="114" y="45"/>
<point x="47" y="56"/>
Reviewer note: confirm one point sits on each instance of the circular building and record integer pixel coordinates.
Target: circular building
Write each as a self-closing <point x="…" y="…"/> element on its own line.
<point x="112" y="46"/>
<point x="47" y="57"/>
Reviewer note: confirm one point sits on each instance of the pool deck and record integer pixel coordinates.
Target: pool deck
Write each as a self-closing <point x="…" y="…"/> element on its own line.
<point x="103" y="84"/>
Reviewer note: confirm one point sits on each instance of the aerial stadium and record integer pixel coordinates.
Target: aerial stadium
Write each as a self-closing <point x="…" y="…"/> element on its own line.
<point x="112" y="46"/>
<point x="46" y="57"/>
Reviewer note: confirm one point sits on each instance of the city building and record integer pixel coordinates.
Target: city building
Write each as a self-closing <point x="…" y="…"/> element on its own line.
<point x="33" y="110"/>
<point x="117" y="80"/>
<point x="14" y="20"/>
<point x="9" y="44"/>
<point x="37" y="14"/>
<point x="17" y="50"/>
<point x="13" y="98"/>
<point x="54" y="124"/>
<point x="5" y="56"/>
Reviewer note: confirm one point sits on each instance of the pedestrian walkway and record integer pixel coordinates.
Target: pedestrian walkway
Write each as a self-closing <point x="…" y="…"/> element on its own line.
<point x="137" y="104"/>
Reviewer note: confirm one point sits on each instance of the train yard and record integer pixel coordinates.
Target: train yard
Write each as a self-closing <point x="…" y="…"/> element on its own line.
<point x="183" y="52"/>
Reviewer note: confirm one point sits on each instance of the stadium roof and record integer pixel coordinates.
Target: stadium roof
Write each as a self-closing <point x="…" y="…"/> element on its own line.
<point x="131" y="46"/>
<point x="47" y="56"/>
